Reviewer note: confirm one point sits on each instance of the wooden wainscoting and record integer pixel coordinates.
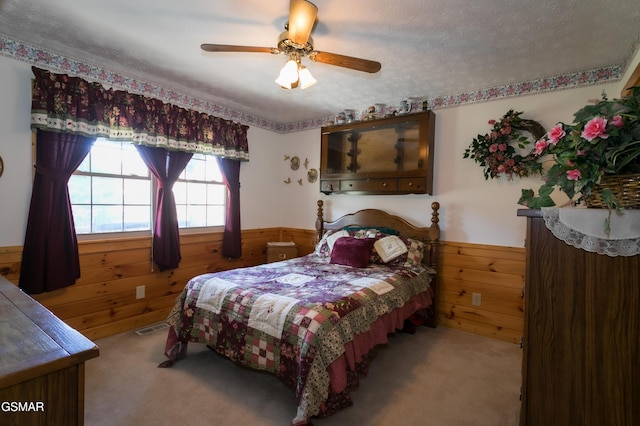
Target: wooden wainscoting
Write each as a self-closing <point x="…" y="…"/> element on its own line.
<point x="10" y="258"/>
<point x="103" y="301"/>
<point x="305" y="239"/>
<point x="494" y="272"/>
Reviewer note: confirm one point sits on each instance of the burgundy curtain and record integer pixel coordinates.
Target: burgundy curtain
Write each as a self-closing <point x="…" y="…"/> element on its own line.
<point x="166" y="166"/>
<point x="232" y="239"/>
<point x="50" y="253"/>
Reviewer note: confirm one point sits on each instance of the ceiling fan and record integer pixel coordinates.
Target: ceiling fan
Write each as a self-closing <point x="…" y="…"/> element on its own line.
<point x="295" y="42"/>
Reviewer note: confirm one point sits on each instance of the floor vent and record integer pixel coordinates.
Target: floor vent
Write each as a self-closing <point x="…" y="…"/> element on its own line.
<point x="152" y="328"/>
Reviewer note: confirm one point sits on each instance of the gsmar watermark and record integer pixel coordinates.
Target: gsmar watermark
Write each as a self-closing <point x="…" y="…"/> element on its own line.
<point x="20" y="406"/>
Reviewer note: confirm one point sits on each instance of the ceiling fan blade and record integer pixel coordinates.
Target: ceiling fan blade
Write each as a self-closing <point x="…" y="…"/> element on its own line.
<point x="302" y="16"/>
<point x="230" y="48"/>
<point x="346" y="61"/>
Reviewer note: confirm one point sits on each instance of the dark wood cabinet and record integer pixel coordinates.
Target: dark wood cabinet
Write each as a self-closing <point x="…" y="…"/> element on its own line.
<point x="581" y="359"/>
<point x="41" y="363"/>
<point x="392" y="155"/>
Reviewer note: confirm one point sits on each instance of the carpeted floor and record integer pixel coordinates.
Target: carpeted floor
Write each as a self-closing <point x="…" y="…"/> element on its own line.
<point x="435" y="377"/>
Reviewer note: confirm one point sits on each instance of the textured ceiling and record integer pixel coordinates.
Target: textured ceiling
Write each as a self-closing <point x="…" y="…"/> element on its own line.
<point x="428" y="49"/>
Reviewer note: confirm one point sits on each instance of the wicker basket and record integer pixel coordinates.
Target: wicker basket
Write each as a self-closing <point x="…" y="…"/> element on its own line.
<point x="626" y="189"/>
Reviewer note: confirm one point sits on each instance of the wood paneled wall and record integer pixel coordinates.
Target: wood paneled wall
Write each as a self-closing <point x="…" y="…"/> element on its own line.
<point x="494" y="272"/>
<point x="103" y="301"/>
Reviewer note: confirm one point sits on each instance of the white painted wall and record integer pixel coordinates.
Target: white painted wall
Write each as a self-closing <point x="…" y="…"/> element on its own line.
<point x="15" y="149"/>
<point x="472" y="209"/>
<point x="259" y="189"/>
<point x="298" y="203"/>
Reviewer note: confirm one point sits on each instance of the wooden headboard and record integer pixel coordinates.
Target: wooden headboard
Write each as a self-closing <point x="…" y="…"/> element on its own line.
<point x="377" y="218"/>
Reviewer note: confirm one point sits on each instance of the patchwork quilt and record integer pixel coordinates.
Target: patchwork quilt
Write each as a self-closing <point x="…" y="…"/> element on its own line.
<point x="290" y="318"/>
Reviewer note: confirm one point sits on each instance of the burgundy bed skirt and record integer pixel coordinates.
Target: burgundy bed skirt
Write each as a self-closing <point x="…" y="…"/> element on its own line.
<point x="346" y="371"/>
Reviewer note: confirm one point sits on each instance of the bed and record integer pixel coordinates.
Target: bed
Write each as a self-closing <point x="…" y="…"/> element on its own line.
<point x="314" y="321"/>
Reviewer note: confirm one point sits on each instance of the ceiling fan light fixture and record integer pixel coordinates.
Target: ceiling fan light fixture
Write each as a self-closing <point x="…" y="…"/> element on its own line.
<point x="306" y="79"/>
<point x="302" y="15"/>
<point x="288" y="74"/>
<point x="296" y="42"/>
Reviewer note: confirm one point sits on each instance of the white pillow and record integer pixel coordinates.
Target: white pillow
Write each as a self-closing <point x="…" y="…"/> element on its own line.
<point x="322" y="243"/>
<point x="331" y="239"/>
<point x="390" y="247"/>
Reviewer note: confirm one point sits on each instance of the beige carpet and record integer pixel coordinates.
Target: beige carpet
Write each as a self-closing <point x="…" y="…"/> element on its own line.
<point x="435" y="377"/>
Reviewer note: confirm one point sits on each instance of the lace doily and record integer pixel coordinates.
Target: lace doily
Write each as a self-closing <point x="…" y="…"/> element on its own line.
<point x="584" y="229"/>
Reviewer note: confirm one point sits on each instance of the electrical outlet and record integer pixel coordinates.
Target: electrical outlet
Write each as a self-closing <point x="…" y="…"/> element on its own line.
<point x="140" y="292"/>
<point x="476" y="299"/>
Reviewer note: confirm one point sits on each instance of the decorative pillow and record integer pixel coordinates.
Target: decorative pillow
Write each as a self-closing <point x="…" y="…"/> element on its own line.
<point x="412" y="258"/>
<point x="415" y="253"/>
<point x="331" y="239"/>
<point x="366" y="232"/>
<point x="382" y="230"/>
<point x="324" y="246"/>
<point x="352" y="251"/>
<point x="322" y="249"/>
<point x="390" y="247"/>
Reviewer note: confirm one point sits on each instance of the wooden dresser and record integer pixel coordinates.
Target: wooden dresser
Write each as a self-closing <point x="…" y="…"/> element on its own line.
<point x="581" y="360"/>
<point x="41" y="363"/>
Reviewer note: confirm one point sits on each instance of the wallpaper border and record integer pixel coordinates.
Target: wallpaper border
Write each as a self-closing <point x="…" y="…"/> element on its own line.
<point x="54" y="62"/>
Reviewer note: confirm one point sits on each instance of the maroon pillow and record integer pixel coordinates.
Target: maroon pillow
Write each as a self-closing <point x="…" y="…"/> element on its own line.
<point x="351" y="251"/>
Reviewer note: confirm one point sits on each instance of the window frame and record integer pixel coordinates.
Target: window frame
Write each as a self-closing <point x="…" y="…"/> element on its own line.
<point x="201" y="229"/>
<point x="153" y="195"/>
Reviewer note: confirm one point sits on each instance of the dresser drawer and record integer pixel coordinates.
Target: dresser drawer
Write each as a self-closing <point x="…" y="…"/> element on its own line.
<point x="405" y="185"/>
<point x="417" y="185"/>
<point x="377" y="185"/>
<point x="329" y="186"/>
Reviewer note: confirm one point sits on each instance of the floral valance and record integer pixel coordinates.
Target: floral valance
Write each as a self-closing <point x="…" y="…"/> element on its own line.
<point x="61" y="103"/>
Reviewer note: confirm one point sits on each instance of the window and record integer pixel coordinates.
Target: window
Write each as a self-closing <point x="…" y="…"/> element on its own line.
<point x="113" y="191"/>
<point x="200" y="193"/>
